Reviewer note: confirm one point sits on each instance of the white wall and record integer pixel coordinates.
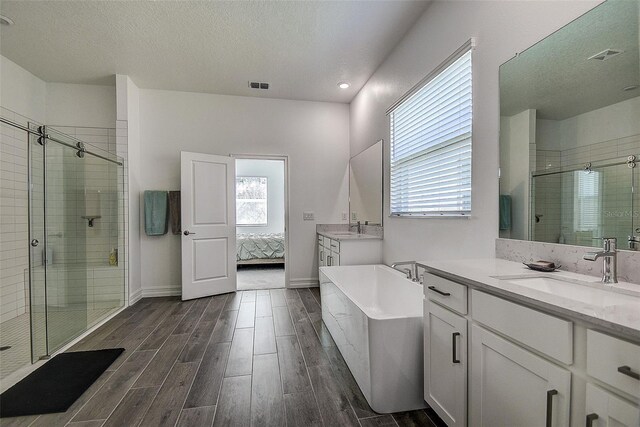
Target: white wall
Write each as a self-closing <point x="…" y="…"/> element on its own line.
<point x="81" y="105"/>
<point x="21" y="91"/>
<point x="273" y="170"/>
<point x="501" y="29"/>
<point x="315" y="136"/>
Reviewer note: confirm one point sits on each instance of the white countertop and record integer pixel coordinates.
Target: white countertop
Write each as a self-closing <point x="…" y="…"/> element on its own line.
<point x="344" y="235"/>
<point x="623" y="319"/>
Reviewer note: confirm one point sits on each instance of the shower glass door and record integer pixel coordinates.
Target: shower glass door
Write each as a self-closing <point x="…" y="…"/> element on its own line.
<point x="66" y="244"/>
<point x="76" y="275"/>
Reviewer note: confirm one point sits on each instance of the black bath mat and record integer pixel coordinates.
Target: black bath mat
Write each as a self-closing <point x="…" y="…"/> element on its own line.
<point x="54" y="386"/>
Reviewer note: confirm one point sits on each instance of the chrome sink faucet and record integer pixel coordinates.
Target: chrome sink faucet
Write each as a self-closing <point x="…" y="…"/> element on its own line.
<point x="610" y="259"/>
<point x="358" y="226"/>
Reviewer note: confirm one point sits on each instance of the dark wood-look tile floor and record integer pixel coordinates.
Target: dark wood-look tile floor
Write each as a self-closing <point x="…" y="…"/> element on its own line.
<point x="252" y="358"/>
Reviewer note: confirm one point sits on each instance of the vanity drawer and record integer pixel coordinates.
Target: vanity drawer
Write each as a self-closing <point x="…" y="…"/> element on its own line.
<point x="450" y="294"/>
<point x="335" y="246"/>
<point x="540" y="331"/>
<point x="320" y="240"/>
<point x="607" y="356"/>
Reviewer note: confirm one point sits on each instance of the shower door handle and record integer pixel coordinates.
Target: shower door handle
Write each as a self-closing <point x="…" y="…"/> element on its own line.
<point x="35" y="242"/>
<point x="187" y="233"/>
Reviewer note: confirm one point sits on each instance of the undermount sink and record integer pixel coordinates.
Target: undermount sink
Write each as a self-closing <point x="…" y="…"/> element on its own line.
<point x="588" y="293"/>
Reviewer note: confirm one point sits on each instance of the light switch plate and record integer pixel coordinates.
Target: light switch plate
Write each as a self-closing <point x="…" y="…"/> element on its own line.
<point x="345" y="216"/>
<point x="308" y="216"/>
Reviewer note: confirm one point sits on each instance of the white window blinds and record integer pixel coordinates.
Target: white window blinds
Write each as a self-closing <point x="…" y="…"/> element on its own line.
<point x="586" y="201"/>
<point x="431" y="144"/>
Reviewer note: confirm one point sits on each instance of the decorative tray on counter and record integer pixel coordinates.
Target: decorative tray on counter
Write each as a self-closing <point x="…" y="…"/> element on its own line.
<point x="545" y="266"/>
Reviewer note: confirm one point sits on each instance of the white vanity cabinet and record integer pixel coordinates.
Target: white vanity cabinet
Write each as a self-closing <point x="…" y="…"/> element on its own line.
<point x="514" y="387"/>
<point x="445" y="368"/>
<point x="604" y="409"/>
<point x="348" y="251"/>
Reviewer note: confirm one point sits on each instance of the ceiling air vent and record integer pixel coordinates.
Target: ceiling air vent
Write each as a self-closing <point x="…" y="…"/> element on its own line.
<point x="606" y="54"/>
<point x="258" y="85"/>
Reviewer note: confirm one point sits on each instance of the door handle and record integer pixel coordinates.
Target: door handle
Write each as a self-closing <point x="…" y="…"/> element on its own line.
<point x="591" y="418"/>
<point x="187" y="233"/>
<point x="626" y="370"/>
<point x="438" y="291"/>
<point x="550" y="395"/>
<point x="455" y="346"/>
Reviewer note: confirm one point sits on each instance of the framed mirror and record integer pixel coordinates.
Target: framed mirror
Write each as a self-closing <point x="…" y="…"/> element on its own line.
<point x="570" y="133"/>
<point x="365" y="186"/>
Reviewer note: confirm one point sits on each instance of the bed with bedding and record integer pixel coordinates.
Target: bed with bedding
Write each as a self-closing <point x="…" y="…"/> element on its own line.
<point x="260" y="248"/>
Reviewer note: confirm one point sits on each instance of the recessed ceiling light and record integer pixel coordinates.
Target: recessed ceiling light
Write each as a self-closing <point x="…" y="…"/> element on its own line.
<point x="628" y="88"/>
<point x="343" y="85"/>
<point x="6" y="21"/>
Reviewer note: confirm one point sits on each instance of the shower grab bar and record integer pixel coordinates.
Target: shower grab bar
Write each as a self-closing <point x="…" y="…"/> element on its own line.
<point x="43" y="134"/>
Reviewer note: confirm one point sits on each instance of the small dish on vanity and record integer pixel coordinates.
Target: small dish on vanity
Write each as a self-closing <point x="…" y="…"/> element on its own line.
<point x="544" y="266"/>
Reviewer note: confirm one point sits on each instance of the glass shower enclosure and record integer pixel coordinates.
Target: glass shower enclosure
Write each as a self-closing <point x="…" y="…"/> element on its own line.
<point x="76" y="238"/>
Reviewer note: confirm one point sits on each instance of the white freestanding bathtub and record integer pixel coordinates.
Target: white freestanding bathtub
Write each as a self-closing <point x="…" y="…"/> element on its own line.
<point x="374" y="315"/>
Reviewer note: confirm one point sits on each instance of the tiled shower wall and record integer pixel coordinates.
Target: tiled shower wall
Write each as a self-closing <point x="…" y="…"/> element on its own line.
<point x="14" y="226"/>
<point x="100" y="198"/>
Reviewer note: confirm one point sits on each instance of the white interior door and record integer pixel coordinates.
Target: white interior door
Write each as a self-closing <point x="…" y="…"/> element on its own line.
<point x="208" y="225"/>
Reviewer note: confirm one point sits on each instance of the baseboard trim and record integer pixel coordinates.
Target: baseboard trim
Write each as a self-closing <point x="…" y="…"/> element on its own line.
<point x="161" y="292"/>
<point x="304" y="283"/>
<point x="135" y="297"/>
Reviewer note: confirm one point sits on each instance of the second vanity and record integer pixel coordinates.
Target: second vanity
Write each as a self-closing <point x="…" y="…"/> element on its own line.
<point x="505" y="345"/>
<point x="340" y="246"/>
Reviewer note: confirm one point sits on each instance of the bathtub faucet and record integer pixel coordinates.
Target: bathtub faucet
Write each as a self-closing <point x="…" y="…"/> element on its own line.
<point x="412" y="273"/>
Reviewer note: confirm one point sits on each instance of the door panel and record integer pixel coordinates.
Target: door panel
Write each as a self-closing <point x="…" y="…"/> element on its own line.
<point x="210" y="193"/>
<point x="208" y="224"/>
<point x="608" y="410"/>
<point x="445" y="366"/>
<point x="504" y="372"/>
<point x="210" y="256"/>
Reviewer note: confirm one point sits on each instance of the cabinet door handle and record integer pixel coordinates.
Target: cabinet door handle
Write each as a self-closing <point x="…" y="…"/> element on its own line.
<point x="591" y="418"/>
<point x="438" y="291"/>
<point x="329" y="260"/>
<point x="455" y="347"/>
<point x="550" y="395"/>
<point x="626" y="370"/>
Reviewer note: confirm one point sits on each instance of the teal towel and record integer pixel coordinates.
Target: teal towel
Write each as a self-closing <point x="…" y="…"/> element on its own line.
<point x="156" y="209"/>
<point x="505" y="212"/>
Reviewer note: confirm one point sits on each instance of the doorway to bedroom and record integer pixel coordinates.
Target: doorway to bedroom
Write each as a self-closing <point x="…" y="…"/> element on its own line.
<point x="261" y="217"/>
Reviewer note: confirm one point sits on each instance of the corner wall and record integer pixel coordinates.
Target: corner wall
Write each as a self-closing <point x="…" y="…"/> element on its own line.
<point x="501" y="29"/>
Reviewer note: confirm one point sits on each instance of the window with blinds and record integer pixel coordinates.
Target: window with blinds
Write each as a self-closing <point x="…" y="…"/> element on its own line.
<point x="431" y="143"/>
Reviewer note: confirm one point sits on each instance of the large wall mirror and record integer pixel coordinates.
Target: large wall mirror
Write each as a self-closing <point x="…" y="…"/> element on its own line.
<point x="365" y="186"/>
<point x="570" y="133"/>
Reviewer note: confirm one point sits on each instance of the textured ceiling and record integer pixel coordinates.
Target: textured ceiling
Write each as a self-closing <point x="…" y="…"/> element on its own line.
<point x="303" y="49"/>
<point x="556" y="78"/>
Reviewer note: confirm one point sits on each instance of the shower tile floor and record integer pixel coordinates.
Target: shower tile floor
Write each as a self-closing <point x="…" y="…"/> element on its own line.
<point x="16" y="333"/>
<point x="247" y="358"/>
